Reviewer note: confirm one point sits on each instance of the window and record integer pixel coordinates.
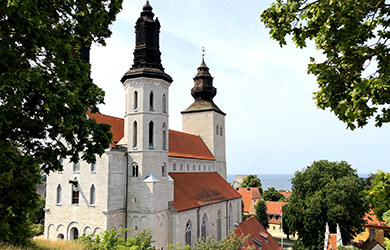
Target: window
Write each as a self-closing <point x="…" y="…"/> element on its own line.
<point x="60" y="236"/>
<point x="181" y="167"/>
<point x="92" y="195"/>
<point x="220" y="130"/>
<point x="188" y="167"/>
<point x="93" y="167"/>
<point x="204" y="167"/>
<point x="219" y="226"/>
<point x="164" y="136"/>
<point x="59" y="193"/>
<point x="164" y="104"/>
<point x="76" y="167"/>
<point x="151" y="135"/>
<point x="151" y="101"/>
<point x="134" y="170"/>
<point x="273" y="227"/>
<point x="203" y="229"/>
<point x="372" y="232"/>
<point x="135" y="100"/>
<point x="135" y="132"/>
<point x="193" y="167"/>
<point x="75" y="194"/>
<point x="199" y="167"/>
<point x="217" y="129"/>
<point x="174" y="166"/>
<point x="188" y="234"/>
<point x="74" y="233"/>
<point x="163" y="170"/>
<point x="230" y="217"/>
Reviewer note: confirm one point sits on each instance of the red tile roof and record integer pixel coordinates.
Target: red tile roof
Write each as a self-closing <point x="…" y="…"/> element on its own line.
<point x="180" y="144"/>
<point x="259" y="236"/>
<point x="200" y="189"/>
<point x="373" y="221"/>
<point x="247" y="195"/>
<point x="273" y="207"/>
<point x="332" y="243"/>
<point x="188" y="146"/>
<point x="117" y="125"/>
<point x="286" y="194"/>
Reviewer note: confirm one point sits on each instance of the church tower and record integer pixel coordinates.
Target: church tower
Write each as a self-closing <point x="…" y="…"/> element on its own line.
<point x="146" y="132"/>
<point x="205" y="119"/>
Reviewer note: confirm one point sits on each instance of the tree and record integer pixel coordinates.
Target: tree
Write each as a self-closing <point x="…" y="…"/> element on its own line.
<point x="326" y="192"/>
<point x="271" y="194"/>
<point x="353" y="81"/>
<point x="252" y="181"/>
<point x="45" y="93"/>
<point x="284" y="218"/>
<point x="261" y="213"/>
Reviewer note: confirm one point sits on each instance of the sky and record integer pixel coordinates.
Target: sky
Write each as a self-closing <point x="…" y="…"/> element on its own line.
<point x="272" y="123"/>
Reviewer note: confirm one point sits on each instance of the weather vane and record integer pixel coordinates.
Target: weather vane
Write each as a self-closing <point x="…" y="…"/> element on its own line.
<point x="203" y="50"/>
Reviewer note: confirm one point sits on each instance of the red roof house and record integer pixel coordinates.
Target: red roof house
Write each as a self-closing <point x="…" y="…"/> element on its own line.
<point x="250" y="197"/>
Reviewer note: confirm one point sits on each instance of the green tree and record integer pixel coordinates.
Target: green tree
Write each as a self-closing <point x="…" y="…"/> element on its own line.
<point x="45" y="93"/>
<point x="252" y="181"/>
<point x="284" y="219"/>
<point x="271" y="194"/>
<point x="261" y="213"/>
<point x="326" y="192"/>
<point x="353" y="81"/>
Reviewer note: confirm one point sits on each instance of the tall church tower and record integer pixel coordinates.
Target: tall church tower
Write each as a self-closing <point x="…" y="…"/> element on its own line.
<point x="146" y="132"/>
<point x="205" y="119"/>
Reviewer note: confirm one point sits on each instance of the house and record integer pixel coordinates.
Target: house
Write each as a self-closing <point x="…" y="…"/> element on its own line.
<point x="373" y="229"/>
<point x="286" y="194"/>
<point x="150" y="177"/>
<point x="259" y="236"/>
<point x="371" y="244"/>
<point x="274" y="210"/>
<point x="250" y="197"/>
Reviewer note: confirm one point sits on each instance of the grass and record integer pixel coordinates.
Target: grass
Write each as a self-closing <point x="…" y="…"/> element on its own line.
<point x="40" y="243"/>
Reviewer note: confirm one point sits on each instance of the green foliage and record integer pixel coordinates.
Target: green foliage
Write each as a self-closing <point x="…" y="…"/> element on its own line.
<point x="325" y="192"/>
<point x="45" y="93"/>
<point x="113" y="240"/>
<point x="353" y="81"/>
<point x="379" y="195"/>
<point x="271" y="194"/>
<point x="285" y="226"/>
<point x="261" y="213"/>
<point x="252" y="181"/>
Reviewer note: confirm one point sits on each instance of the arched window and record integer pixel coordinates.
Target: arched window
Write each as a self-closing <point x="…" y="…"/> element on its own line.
<point x="134" y="170"/>
<point x="151" y="135"/>
<point x="203" y="229"/>
<point x="217" y="129"/>
<point x="76" y="166"/>
<point x="92" y="195"/>
<point x="75" y="194"/>
<point x="174" y="166"/>
<point x="164" y="104"/>
<point x="164" y="170"/>
<point x="93" y="167"/>
<point x="188" y="233"/>
<point x="164" y="136"/>
<point x="220" y="130"/>
<point x="151" y="101"/>
<point x="59" y="193"/>
<point x="74" y="233"/>
<point x="230" y="217"/>
<point x="135" y="131"/>
<point x="219" y="226"/>
<point x="60" y="236"/>
<point x="135" y="100"/>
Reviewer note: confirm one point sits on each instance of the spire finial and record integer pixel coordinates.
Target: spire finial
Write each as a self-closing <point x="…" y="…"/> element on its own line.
<point x="203" y="50"/>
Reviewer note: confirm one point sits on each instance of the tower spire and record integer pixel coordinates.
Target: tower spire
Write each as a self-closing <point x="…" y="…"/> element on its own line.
<point x="147" y="55"/>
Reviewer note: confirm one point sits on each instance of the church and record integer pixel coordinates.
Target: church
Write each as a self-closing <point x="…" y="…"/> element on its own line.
<point x="171" y="182"/>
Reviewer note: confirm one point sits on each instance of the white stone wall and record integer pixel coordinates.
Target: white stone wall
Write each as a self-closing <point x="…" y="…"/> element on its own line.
<point x="177" y="164"/>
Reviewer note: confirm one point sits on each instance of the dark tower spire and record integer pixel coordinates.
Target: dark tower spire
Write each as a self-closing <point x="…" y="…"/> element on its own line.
<point x="147" y="55"/>
<point x="203" y="91"/>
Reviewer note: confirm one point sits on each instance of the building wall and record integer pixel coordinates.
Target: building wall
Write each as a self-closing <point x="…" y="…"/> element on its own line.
<point x="176" y="164"/>
<point x="379" y="234"/>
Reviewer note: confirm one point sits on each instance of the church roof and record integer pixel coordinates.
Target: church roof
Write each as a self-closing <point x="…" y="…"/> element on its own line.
<point x="180" y="144"/>
<point x="188" y="146"/>
<point x="260" y="238"/>
<point x="249" y="194"/>
<point x="193" y="190"/>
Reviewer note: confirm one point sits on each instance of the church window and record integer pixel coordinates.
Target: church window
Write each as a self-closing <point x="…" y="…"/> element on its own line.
<point x="74" y="233"/>
<point x="209" y="168"/>
<point x="60" y="236"/>
<point x="135" y="100"/>
<point x="151" y="135"/>
<point x="163" y="170"/>
<point x="135" y="132"/>
<point x="199" y="168"/>
<point x="203" y="228"/>
<point x="217" y="129"/>
<point x="181" y="167"/>
<point x="75" y="194"/>
<point x="76" y="167"/>
<point x="188" y="234"/>
<point x="151" y="101"/>
<point x="135" y="227"/>
<point x="193" y="167"/>
<point x="62" y="165"/>
<point x="164" y="136"/>
<point x="164" y="104"/>
<point x="188" y="167"/>
<point x="220" y="130"/>
<point x="93" y="167"/>
<point x="92" y="195"/>
<point x="204" y="167"/>
<point x="230" y="217"/>
<point x="134" y="170"/>
<point x="59" y="193"/>
<point x="174" y="166"/>
<point x="219" y="226"/>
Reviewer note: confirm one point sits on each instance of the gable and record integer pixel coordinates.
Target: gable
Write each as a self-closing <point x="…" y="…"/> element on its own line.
<point x="249" y="194"/>
<point x="200" y="189"/>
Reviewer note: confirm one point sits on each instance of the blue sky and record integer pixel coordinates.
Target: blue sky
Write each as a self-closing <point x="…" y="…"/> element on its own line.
<point x="272" y="123"/>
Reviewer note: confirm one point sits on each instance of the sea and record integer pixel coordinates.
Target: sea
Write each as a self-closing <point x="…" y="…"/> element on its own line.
<point x="278" y="181"/>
